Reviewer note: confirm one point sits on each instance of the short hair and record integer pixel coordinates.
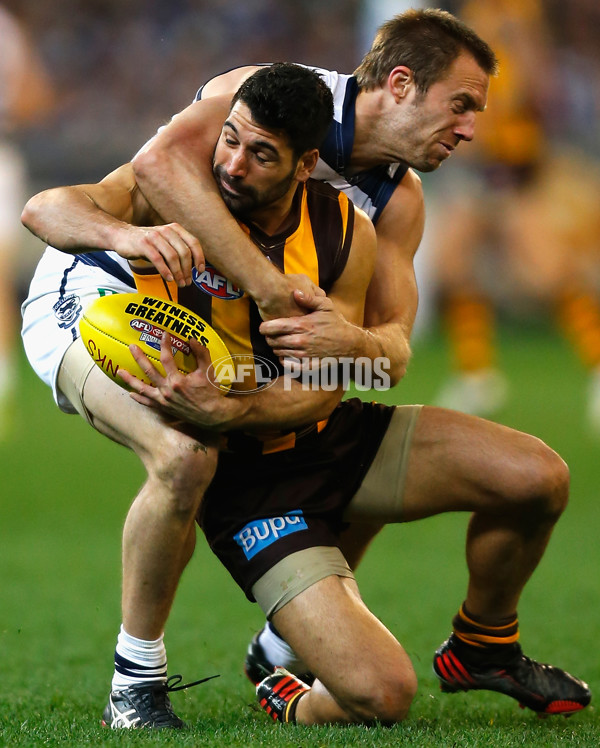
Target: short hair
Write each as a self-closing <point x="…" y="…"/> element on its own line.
<point x="426" y="41"/>
<point x="291" y="99"/>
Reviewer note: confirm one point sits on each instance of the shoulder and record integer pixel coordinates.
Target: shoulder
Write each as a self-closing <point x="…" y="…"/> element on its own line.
<point x="334" y="80"/>
<point x="406" y="199"/>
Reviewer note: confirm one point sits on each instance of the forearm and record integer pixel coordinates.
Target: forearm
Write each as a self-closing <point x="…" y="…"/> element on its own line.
<point x="174" y="172"/>
<point x="323" y="334"/>
<point x="230" y="250"/>
<point x="388" y="341"/>
<point x="277" y="408"/>
<point x="68" y="219"/>
<point x="392" y="298"/>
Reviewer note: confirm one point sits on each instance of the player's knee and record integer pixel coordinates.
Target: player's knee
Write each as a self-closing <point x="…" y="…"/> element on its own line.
<point x="545" y="486"/>
<point x="184" y="467"/>
<point x="384" y="699"/>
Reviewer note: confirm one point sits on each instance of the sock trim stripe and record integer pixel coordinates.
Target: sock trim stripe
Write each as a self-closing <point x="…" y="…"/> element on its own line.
<point x="289" y="715"/>
<point x="136" y="669"/>
<point x="482" y="639"/>
<point x="469" y="620"/>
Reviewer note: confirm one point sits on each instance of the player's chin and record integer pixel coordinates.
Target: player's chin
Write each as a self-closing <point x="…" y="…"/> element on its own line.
<point x="239" y="206"/>
<point x="431" y="165"/>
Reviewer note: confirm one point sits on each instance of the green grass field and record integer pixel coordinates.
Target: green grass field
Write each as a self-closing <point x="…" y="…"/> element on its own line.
<point x="66" y="491"/>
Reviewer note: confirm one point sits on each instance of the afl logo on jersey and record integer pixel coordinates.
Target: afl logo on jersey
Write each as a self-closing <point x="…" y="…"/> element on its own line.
<point x="213" y="283"/>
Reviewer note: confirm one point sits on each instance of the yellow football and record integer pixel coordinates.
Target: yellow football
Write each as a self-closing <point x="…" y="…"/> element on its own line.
<point x="110" y="324"/>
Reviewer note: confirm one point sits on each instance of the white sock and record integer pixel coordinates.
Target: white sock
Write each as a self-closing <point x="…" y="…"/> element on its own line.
<point x="138" y="661"/>
<point x="279" y="652"/>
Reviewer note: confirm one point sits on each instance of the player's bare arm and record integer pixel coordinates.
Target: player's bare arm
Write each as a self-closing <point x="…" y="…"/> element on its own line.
<point x="192" y="398"/>
<point x="174" y="172"/>
<point x="391" y="298"/>
<point x="195" y="398"/>
<point x="113" y="215"/>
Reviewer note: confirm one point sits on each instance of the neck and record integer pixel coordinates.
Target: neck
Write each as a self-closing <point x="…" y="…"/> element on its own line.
<point x="273" y="218"/>
<point x="369" y="149"/>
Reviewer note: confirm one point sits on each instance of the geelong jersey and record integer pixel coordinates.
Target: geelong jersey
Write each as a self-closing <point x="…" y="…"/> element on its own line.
<point x="370" y="189"/>
<point x="316" y="243"/>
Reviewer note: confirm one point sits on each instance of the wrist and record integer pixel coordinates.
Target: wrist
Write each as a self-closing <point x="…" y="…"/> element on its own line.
<point x="372" y="346"/>
<point x="231" y="412"/>
<point x="268" y="286"/>
<point x="113" y="235"/>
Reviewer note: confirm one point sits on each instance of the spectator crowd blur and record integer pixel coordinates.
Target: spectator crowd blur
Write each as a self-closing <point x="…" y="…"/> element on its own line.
<point x="121" y="68"/>
<point x="518" y="222"/>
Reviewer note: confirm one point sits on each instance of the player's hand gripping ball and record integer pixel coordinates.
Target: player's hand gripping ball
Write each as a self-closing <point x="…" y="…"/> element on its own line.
<point x="110" y="324"/>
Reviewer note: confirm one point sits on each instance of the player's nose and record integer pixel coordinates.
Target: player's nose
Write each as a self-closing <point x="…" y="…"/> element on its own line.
<point x="237" y="166"/>
<point x="465" y="128"/>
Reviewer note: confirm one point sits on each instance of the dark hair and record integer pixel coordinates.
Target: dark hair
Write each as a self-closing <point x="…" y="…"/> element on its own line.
<point x="291" y="99"/>
<point x="426" y="41"/>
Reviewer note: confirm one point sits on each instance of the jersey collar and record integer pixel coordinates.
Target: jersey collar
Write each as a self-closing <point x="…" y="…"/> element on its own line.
<point x="336" y="149"/>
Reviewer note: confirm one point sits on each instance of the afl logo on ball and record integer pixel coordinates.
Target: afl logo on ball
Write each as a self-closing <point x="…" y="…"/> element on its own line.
<point x="152" y="335"/>
<point x="213" y="283"/>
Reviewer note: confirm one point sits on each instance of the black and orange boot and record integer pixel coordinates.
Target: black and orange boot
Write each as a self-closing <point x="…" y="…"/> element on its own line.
<point x="279" y="693"/>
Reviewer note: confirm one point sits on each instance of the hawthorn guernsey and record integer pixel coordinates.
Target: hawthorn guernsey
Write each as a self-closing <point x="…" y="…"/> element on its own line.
<point x="112" y="323"/>
<point x="212" y="282"/>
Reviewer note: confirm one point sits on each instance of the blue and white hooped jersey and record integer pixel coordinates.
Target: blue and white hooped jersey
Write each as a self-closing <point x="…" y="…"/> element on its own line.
<point x="370" y="189"/>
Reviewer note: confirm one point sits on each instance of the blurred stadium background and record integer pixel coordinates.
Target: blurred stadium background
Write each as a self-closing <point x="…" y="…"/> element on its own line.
<point x="115" y="70"/>
<point x="120" y="68"/>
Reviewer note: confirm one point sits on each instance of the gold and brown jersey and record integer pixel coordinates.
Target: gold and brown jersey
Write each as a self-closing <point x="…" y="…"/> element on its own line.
<point x="316" y="241"/>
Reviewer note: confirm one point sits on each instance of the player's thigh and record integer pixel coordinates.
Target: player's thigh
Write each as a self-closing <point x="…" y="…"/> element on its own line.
<point x="109" y="408"/>
<point x="340" y="640"/>
<point x="460" y="462"/>
<point x="355" y="539"/>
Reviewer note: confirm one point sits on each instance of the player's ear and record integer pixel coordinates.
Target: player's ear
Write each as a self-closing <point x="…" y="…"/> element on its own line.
<point x="307" y="164"/>
<point x="400" y="80"/>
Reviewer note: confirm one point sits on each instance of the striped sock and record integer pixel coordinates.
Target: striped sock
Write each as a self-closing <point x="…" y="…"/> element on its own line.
<point x="481" y="635"/>
<point x="138" y="661"/>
